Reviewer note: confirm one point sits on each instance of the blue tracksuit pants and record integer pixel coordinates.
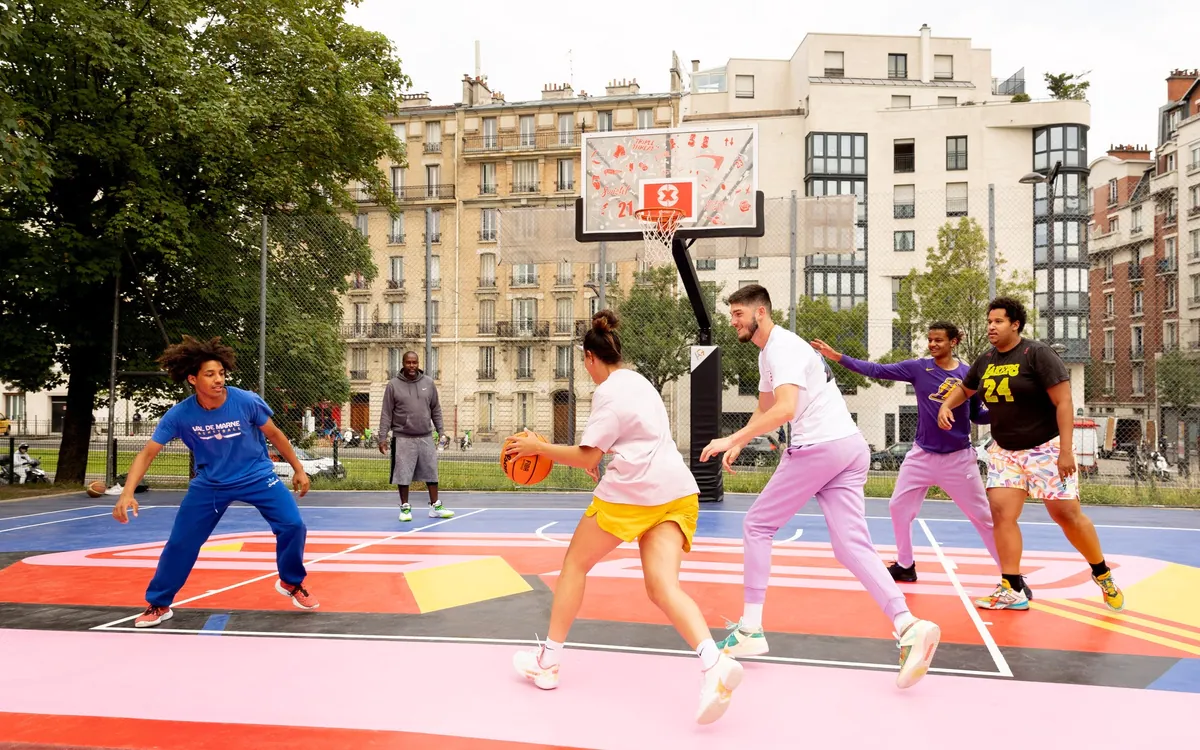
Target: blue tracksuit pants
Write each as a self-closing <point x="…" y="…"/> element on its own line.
<point x="203" y="507"/>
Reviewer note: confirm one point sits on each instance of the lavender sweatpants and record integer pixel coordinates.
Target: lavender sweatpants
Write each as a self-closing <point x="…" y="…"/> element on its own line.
<point x="958" y="474"/>
<point x="835" y="473"/>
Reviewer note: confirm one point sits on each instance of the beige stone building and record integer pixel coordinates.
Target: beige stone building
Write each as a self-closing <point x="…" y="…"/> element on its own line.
<point x="501" y="333"/>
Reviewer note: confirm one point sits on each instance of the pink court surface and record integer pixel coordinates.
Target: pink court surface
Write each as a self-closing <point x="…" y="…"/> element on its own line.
<point x="412" y="645"/>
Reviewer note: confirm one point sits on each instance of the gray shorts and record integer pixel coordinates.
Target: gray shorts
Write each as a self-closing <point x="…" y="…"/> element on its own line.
<point x="416" y="460"/>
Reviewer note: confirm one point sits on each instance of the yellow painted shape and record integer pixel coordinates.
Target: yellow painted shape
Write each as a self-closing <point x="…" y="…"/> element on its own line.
<point x="1168" y="594"/>
<point x="230" y="547"/>
<point x="468" y="582"/>
<point x="1131" y="618"/>
<point x="1096" y="622"/>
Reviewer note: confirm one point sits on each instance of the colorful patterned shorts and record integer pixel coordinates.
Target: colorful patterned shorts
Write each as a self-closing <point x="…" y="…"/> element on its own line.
<point x="1034" y="470"/>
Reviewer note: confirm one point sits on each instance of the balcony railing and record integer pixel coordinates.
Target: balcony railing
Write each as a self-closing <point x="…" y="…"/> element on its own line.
<point x="358" y="374"/>
<point x="1110" y="354"/>
<point x="1135" y="272"/>
<point x="487" y="188"/>
<point x="523" y="279"/>
<point x="904" y="210"/>
<point x="487" y="282"/>
<point x="487" y="235"/>
<point x="562" y="373"/>
<point x="1137" y="352"/>
<point x="956" y="160"/>
<point x="956" y="206"/>
<point x="433" y="147"/>
<point x="547" y="140"/>
<point x="564" y="185"/>
<point x="395" y="283"/>
<point x="525" y="186"/>
<point x="564" y="279"/>
<point x="524" y="373"/>
<point x="407" y="193"/>
<point x="383" y="330"/>
<point x="904" y="163"/>
<point x="486" y="373"/>
<point x="1168" y="265"/>
<point x="523" y="329"/>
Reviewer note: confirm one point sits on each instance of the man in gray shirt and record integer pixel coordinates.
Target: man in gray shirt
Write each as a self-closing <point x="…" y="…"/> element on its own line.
<point x="411" y="412"/>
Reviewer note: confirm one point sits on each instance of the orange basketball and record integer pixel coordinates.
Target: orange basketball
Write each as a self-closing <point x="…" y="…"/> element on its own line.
<point x="526" y="470"/>
<point x="96" y="489"/>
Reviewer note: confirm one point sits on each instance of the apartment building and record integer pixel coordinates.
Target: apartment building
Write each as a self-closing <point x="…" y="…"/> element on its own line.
<point x="1145" y="277"/>
<point x="918" y="128"/>
<point x="501" y="333"/>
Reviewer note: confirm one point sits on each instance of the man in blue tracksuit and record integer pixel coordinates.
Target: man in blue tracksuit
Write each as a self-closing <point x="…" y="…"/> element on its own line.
<point x="221" y="425"/>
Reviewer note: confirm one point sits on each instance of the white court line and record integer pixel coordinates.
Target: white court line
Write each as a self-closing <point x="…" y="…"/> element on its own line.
<point x="61" y="520"/>
<point x="520" y="642"/>
<point x="984" y="633"/>
<point x="48" y="512"/>
<point x="545" y="538"/>
<point x="314" y="561"/>
<point x="1097" y="525"/>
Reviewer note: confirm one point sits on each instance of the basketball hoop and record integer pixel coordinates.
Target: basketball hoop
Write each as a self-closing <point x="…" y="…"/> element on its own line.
<point x="658" y="229"/>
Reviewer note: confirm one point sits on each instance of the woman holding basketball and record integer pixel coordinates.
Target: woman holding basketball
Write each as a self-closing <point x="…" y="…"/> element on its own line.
<point x="648" y="494"/>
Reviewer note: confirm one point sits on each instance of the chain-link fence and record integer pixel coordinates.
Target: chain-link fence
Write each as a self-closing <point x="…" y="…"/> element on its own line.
<point x="494" y="301"/>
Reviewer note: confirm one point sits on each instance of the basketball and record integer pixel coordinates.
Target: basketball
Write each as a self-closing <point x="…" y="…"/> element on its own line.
<point x="526" y="470"/>
<point x="96" y="489"/>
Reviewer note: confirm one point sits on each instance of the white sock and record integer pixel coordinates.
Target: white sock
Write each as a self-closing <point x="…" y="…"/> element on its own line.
<point x="752" y="617"/>
<point x="903" y="620"/>
<point x="550" y="653"/>
<point x="708" y="654"/>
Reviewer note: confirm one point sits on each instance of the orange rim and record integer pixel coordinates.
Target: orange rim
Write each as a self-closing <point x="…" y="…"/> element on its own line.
<point x="666" y="218"/>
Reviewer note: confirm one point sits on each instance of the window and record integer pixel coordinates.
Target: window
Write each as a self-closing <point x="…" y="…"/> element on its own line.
<point x="564" y="274"/>
<point x="835" y="66"/>
<point x="841" y="289"/>
<point x="1137" y="342"/>
<point x="562" y="361"/>
<point x="432" y="367"/>
<point x="1135" y="220"/>
<point x="395" y="313"/>
<point x="490" y="137"/>
<point x="604" y="121"/>
<point x="904" y="242"/>
<point x="435" y="271"/>
<point x="1169" y="163"/>
<point x="956" y="152"/>
<point x="358" y="364"/>
<point x="524" y="314"/>
<point x="524" y="411"/>
<point x="1194" y="254"/>
<point x="566" y="129"/>
<point x="709" y="82"/>
<point x="1136" y="307"/>
<point x="943" y="67"/>
<point x="1169" y="248"/>
<point x="1112" y="192"/>
<point x="433" y="180"/>
<point x="361" y="222"/>
<point x="1195" y="161"/>
<point x="1194" y="198"/>
<point x="564" y="315"/>
<point x="836" y="154"/>
<point x="1065" y="143"/>
<point x="525" y="176"/>
<point x="899" y="291"/>
<point x="396" y="271"/>
<point x="400" y="130"/>
<point x="1110" y="347"/>
<point x="396" y="236"/>
<point x="645" y="118"/>
<point x="487" y="270"/>
<point x="487" y="317"/>
<point x="904" y="155"/>
<point x="487" y="362"/>
<point x="528" y="134"/>
<point x="489" y="223"/>
<point x="743" y="87"/>
<point x="1108" y="268"/>
<point x="1169" y="301"/>
<point x="487" y="178"/>
<point x="1066" y="241"/>
<point x="956" y="199"/>
<point x="524" y="274"/>
<point x="360" y="317"/>
<point x="397" y="181"/>
<point x="433" y="137"/>
<point x="1139" y="379"/>
<point x="904" y="202"/>
<point x="1170" y="336"/>
<point x="1070" y="195"/>
<point x="830" y="186"/>
<point x="1172" y="209"/>
<point x="566" y="175"/>
<point x="747" y="261"/>
<point x="901" y="337"/>
<point x="1194" y="299"/>
<point x="897" y="66"/>
<point x="901" y="102"/>
<point x="706" y="264"/>
<point x="525" y="362"/>
<point x="487" y="412"/>
<point x="1109" y="306"/>
<point x="1110" y="380"/>
<point x="947" y="101"/>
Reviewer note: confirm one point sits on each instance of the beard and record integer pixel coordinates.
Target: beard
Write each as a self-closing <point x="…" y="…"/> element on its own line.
<point x="748" y="332"/>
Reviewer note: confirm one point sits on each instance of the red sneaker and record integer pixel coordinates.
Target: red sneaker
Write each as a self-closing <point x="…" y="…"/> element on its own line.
<point x="153" y="616"/>
<point x="299" y="595"/>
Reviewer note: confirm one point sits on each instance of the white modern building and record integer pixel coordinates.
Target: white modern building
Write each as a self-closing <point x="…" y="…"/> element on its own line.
<point x="918" y="128"/>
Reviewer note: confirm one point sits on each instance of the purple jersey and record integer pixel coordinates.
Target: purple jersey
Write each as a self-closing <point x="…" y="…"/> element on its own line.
<point x="933" y="385"/>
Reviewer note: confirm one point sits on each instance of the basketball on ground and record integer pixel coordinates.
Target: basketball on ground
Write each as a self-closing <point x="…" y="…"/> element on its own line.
<point x="96" y="489"/>
<point x="526" y="470"/>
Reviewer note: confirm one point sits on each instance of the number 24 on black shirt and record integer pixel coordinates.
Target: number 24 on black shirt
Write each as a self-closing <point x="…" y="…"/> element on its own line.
<point x="1014" y="387"/>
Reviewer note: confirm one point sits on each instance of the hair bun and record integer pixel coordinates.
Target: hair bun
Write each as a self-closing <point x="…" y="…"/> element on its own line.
<point x="605" y="320"/>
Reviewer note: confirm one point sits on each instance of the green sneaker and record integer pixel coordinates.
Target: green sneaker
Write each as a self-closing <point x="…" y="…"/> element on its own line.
<point x="405" y="512"/>
<point x="741" y="642"/>
<point x="437" y="511"/>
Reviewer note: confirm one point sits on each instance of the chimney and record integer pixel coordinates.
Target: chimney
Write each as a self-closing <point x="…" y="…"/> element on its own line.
<point x="468" y="95"/>
<point x="557" y="91"/>
<point x="415" y="100"/>
<point x="695" y="66"/>
<point x="926" y="53"/>
<point x="622" y="88"/>
<point x="1179" y="82"/>
<point x="1129" y="152"/>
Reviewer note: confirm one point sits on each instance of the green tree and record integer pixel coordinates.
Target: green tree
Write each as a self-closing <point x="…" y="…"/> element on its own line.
<point x="954" y="287"/>
<point x="1067" y="85"/>
<point x="141" y="141"/>
<point x="1178" y="379"/>
<point x="659" y="326"/>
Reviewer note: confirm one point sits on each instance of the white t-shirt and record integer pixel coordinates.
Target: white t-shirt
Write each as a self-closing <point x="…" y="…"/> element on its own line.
<point x="629" y="420"/>
<point x="821" y="412"/>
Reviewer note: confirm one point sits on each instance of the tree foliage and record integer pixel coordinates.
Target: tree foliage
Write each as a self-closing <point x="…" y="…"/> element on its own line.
<point x="658" y="326"/>
<point x="1067" y="85"/>
<point x="145" y="140"/>
<point x="1178" y="379"/>
<point x="954" y="287"/>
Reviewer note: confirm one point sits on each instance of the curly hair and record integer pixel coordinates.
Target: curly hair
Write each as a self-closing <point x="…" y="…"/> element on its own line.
<point x="188" y="356"/>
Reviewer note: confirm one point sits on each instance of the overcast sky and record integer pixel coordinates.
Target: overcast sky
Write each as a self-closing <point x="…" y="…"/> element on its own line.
<point x="533" y="42"/>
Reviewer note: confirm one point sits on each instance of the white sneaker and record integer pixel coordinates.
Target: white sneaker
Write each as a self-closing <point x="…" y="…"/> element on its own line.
<point x="437" y="511"/>
<point x="917" y="644"/>
<point x="116" y="489"/>
<point x="405" y="513"/>
<point x="527" y="665"/>
<point x="719" y="684"/>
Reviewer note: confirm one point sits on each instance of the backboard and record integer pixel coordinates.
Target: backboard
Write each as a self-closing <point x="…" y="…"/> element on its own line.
<point x="709" y="173"/>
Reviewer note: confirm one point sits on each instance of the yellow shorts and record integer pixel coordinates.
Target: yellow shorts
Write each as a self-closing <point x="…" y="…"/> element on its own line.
<point x="629" y="522"/>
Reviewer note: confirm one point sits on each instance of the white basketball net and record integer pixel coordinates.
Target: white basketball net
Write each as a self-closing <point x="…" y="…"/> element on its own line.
<point x="658" y="229"/>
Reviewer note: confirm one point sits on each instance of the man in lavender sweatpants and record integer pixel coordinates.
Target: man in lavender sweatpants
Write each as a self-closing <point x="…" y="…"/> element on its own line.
<point x="827" y="459"/>
<point x="944" y="458"/>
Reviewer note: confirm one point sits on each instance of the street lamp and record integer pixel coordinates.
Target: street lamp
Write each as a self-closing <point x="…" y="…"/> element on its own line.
<point x="1036" y="178"/>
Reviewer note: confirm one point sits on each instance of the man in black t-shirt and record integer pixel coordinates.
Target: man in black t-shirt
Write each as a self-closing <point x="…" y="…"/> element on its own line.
<point x="1027" y="389"/>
